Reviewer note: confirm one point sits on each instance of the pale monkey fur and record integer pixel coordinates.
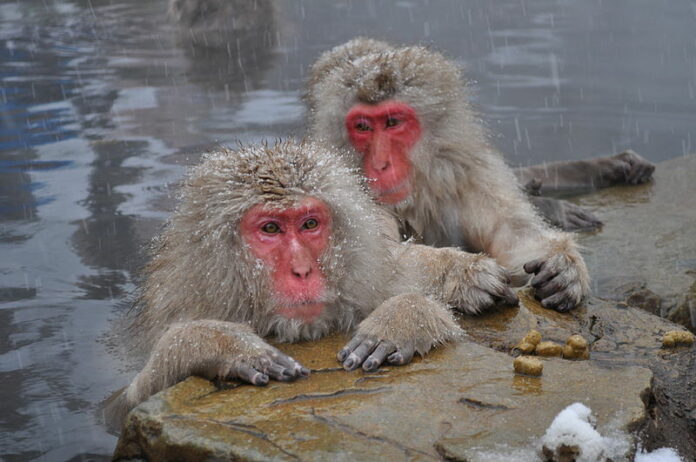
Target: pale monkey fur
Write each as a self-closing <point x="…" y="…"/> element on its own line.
<point x="463" y="194"/>
<point x="206" y="301"/>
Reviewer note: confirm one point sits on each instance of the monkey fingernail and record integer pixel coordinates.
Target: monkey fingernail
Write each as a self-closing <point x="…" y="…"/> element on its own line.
<point x="259" y="379"/>
<point x="304" y="372"/>
<point x="342" y="355"/>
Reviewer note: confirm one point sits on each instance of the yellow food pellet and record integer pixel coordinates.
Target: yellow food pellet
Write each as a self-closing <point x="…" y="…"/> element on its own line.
<point x="525" y="347"/>
<point x="533" y="337"/>
<point x="571" y="353"/>
<point x="528" y="365"/>
<point x="548" y="349"/>
<point x="677" y="337"/>
<point x="577" y="342"/>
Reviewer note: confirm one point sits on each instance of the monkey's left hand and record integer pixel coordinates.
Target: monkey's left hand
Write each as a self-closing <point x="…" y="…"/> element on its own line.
<point x="398" y="328"/>
<point x="558" y="281"/>
<point x="632" y="168"/>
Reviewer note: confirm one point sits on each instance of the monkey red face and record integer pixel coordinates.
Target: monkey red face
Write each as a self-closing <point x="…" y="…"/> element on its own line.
<point x="384" y="134"/>
<point x="290" y="242"/>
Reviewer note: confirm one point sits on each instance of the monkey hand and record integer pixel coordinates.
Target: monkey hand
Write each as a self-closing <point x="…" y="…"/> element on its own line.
<point x="560" y="281"/>
<point x="631" y="168"/>
<point x="398" y="328"/>
<point x="565" y="215"/>
<point x="260" y="362"/>
<point x="473" y="283"/>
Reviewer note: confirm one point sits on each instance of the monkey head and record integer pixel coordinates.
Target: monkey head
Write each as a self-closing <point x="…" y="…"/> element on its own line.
<point x="281" y="237"/>
<point x="392" y="107"/>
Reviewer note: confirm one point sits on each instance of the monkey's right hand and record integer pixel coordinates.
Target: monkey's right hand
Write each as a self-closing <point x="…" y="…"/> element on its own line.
<point x="473" y="283"/>
<point x="398" y="328"/>
<point x="259" y="363"/>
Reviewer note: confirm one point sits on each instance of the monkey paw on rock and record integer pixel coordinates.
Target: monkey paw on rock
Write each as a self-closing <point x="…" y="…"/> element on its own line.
<point x="560" y="281"/>
<point x="632" y="168"/>
<point x="474" y="283"/>
<point x="261" y="363"/>
<point x="398" y="328"/>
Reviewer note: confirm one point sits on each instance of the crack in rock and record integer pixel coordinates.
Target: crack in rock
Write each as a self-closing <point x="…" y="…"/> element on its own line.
<point x="475" y="403"/>
<point x="310" y="396"/>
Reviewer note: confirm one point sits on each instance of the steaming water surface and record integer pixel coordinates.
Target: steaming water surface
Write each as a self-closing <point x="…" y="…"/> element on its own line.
<point x="99" y="97"/>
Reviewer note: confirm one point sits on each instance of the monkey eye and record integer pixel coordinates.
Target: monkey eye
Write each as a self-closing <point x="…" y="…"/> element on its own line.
<point x="392" y="122"/>
<point x="270" y="228"/>
<point x="310" y="224"/>
<point x="362" y="126"/>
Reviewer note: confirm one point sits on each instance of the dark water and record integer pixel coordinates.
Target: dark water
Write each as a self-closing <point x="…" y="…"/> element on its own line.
<point x="98" y="97"/>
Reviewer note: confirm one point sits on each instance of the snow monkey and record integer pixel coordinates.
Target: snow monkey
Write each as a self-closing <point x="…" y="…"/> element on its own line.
<point x="284" y="242"/>
<point x="404" y="113"/>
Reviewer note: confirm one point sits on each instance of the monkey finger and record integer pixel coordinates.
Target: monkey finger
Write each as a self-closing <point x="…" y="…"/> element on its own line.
<point x="248" y="374"/>
<point x="402" y="356"/>
<point x="550" y="287"/>
<point x="376" y="359"/>
<point x="640" y="173"/>
<point x="290" y="363"/>
<point x="566" y="306"/>
<point x="280" y="373"/>
<point x="534" y="266"/>
<point x="555" y="300"/>
<point x="544" y="275"/>
<point x="350" y="346"/>
<point x="507" y="296"/>
<point x="357" y="357"/>
<point x="583" y="220"/>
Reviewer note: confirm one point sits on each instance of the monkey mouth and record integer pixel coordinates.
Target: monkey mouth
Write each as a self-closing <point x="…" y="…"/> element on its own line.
<point x="395" y="194"/>
<point x="306" y="311"/>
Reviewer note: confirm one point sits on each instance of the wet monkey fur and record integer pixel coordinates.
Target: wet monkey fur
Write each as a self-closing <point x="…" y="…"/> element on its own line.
<point x="405" y="115"/>
<point x="285" y="243"/>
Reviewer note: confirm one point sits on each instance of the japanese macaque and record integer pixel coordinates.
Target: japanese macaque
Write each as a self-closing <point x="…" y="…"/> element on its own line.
<point x="231" y="25"/>
<point x="404" y="114"/>
<point x="284" y="242"/>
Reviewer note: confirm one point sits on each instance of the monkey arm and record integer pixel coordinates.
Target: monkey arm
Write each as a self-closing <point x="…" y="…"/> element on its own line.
<point x="210" y="348"/>
<point x="625" y="168"/>
<point x="398" y="328"/>
<point x="471" y="283"/>
<point x="498" y="219"/>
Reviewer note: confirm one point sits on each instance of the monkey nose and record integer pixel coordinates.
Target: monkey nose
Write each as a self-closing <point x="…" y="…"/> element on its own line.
<point x="301" y="271"/>
<point x="381" y="165"/>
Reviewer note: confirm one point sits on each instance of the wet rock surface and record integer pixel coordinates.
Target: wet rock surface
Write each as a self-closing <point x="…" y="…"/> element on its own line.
<point x="462" y="402"/>
<point x="645" y="254"/>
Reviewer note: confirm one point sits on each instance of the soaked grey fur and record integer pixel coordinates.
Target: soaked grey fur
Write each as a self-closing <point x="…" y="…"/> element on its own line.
<point x="206" y="301"/>
<point x="463" y="193"/>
